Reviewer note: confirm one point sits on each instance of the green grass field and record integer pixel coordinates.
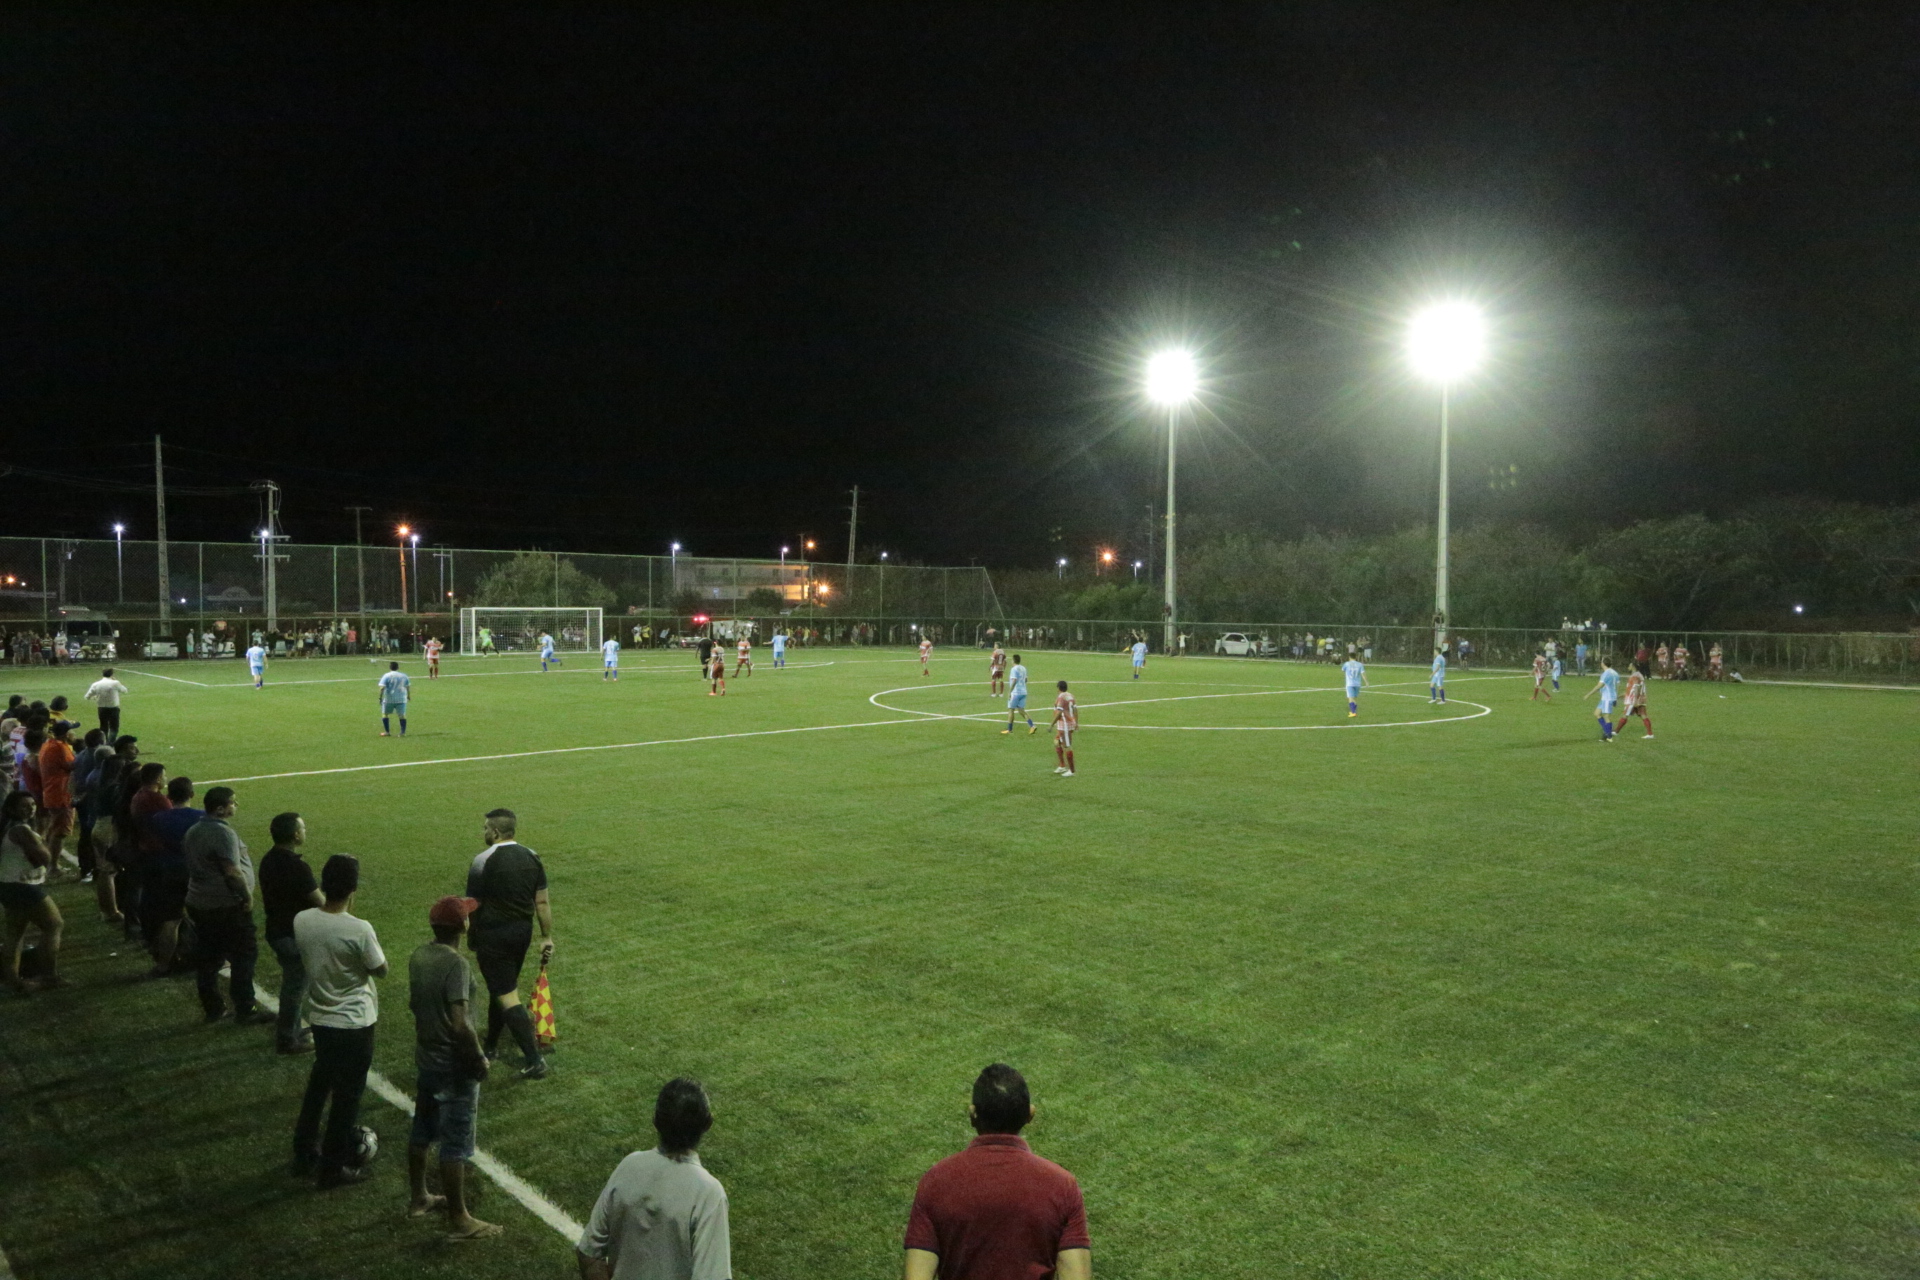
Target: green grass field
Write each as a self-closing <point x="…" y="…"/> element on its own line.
<point x="1475" y="995"/>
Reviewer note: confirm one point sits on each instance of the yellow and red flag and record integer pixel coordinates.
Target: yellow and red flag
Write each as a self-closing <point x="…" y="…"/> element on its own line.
<point x="541" y="1009"/>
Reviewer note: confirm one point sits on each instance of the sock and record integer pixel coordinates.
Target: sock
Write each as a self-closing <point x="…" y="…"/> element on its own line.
<point x="1352" y="705"/>
<point x="403" y="726"/>
<point x="494" y="1026"/>
<point x="1649" y="724"/>
<point x="522" y="1027"/>
<point x="385" y="726"/>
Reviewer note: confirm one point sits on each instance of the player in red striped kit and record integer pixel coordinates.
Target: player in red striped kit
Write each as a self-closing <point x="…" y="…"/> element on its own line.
<point x="1635" y="704"/>
<point x="926" y="654"/>
<point x="1066" y="718"/>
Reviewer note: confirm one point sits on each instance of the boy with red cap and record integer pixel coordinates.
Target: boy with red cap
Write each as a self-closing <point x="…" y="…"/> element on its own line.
<point x="451" y="1064"/>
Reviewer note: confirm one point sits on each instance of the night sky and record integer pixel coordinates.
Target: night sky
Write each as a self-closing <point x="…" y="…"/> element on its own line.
<point x="601" y="277"/>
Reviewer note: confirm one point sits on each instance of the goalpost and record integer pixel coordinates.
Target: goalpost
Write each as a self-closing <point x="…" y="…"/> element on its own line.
<point x="519" y="630"/>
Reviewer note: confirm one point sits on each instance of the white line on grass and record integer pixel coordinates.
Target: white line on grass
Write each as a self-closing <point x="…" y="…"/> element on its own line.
<point x="155" y="675"/>
<point x="531" y="1198"/>
<point x="1483" y="710"/>
<point x="563" y="751"/>
<point x="449" y="675"/>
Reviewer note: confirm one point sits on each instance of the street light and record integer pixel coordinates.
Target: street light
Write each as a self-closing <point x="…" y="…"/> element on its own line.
<point x="120" y="560"/>
<point x="1172" y="380"/>
<point x="1106" y="559"/>
<point x="1063" y="568"/>
<point x="1136" y="570"/>
<point x="1445" y="342"/>
<point x="403" y="531"/>
<point x="414" y="540"/>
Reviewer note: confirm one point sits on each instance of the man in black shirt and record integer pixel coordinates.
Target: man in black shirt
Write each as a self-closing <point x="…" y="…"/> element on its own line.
<point x="287" y="888"/>
<point x="706" y="655"/>
<point x="510" y="884"/>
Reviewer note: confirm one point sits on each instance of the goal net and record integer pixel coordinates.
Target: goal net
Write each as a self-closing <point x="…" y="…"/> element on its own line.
<point x="507" y="630"/>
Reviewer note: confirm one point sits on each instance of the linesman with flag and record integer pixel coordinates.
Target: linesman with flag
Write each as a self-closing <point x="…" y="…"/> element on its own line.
<point x="509" y="882"/>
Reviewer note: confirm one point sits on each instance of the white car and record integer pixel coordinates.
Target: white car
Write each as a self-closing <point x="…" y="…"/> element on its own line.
<point x="1239" y="645"/>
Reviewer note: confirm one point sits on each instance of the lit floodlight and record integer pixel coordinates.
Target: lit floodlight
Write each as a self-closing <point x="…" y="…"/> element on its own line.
<point x="1446" y="341"/>
<point x="119" y="529"/>
<point x="1172" y="377"/>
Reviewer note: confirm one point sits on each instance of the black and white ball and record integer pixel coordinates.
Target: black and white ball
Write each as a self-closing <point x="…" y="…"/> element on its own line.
<point x="366" y="1145"/>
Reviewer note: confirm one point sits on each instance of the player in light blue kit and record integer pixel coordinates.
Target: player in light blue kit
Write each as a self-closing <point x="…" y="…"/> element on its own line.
<point x="1139" y="657"/>
<point x="1557" y="669"/>
<point x="1017" y="698"/>
<point x="1609" y="691"/>
<point x="257" y="663"/>
<point x="394" y="688"/>
<point x="779" y="648"/>
<point x="610" y="658"/>
<point x="546" y="651"/>
<point x="1356" y="678"/>
<point x="1437" y="689"/>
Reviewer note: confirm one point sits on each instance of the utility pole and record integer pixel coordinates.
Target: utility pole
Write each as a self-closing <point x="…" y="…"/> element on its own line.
<point x="271" y="537"/>
<point x="853" y="530"/>
<point x="360" y="560"/>
<point x="160" y="506"/>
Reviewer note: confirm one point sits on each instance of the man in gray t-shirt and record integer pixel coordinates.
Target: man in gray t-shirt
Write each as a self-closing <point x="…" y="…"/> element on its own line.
<point x="220" y="904"/>
<point x="662" y="1216"/>
<point x="451" y="1064"/>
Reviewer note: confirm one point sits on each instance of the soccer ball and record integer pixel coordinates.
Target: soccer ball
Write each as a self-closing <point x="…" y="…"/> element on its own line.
<point x="366" y="1145"/>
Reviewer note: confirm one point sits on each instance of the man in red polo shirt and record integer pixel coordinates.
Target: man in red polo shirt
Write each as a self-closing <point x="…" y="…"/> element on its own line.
<point x="996" y="1211"/>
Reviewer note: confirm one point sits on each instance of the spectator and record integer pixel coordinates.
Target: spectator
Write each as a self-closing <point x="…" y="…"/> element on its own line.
<point x="105" y="693"/>
<point x="164" y="902"/>
<point x="510" y="883"/>
<point x="94" y="773"/>
<point x="287" y="889"/>
<point x="661" y="1215"/>
<point x="451" y="1065"/>
<point x="220" y="904"/>
<point x="996" y="1210"/>
<point x="23" y="895"/>
<point x="56" y="787"/>
<point x="342" y="957"/>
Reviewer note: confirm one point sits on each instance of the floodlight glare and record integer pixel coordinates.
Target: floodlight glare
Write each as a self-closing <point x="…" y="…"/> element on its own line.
<point x="1172" y="377"/>
<point x="1446" y="341"/>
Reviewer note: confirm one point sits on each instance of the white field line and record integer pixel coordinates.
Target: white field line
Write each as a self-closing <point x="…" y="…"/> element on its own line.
<point x="155" y="675"/>
<point x="655" y="668"/>
<point x="1482" y="710"/>
<point x="1819" y="684"/>
<point x="563" y="751"/>
<point x="531" y="1198"/>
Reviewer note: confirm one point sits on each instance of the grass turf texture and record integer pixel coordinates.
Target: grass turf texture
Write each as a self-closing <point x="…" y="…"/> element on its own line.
<point x="1477" y="998"/>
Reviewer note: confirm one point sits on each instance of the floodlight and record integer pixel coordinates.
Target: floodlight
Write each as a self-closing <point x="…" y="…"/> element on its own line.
<point x="1172" y="377"/>
<point x="1446" y="341"/>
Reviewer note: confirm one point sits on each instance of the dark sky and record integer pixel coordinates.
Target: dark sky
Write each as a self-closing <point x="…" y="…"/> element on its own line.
<point x="601" y="277"/>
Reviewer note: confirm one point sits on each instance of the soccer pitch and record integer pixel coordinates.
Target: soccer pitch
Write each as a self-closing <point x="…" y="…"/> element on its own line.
<point x="1443" y="991"/>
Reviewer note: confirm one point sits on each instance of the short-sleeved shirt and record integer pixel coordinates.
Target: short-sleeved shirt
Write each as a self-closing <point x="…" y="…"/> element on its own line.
<point x="504" y="879"/>
<point x="211" y="845"/>
<point x="145" y="805"/>
<point x="996" y="1211"/>
<point x="1139" y="652"/>
<point x="1439" y="666"/>
<point x="286" y="889"/>
<point x="1019" y="677"/>
<point x="1353" y="671"/>
<point x="611" y="649"/>
<point x="339" y="952"/>
<point x="169" y="828"/>
<point x="1068" y="711"/>
<point x="661" y="1217"/>
<point x="257" y="656"/>
<point x="106" y="691"/>
<point x="437" y="979"/>
<point x="394" y="687"/>
<point x="56" y="774"/>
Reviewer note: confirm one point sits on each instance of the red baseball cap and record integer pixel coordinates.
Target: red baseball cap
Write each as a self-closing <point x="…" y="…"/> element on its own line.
<point x="450" y="912"/>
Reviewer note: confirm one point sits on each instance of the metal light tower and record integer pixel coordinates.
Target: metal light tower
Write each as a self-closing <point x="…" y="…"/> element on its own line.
<point x="1172" y="380"/>
<point x="1445" y="342"/>
<point x="120" y="559"/>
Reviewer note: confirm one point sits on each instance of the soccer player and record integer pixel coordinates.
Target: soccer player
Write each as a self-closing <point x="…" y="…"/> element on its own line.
<point x="610" y="659"/>
<point x="926" y="655"/>
<point x="1139" y="651"/>
<point x="717" y="673"/>
<point x="486" y="640"/>
<point x="1356" y="674"/>
<point x="1540" y="677"/>
<point x="1580" y="658"/>
<point x="745" y="659"/>
<point x="433" y="648"/>
<point x="257" y="663"/>
<point x="1609" y="690"/>
<point x="546" y="652"/>
<point x="1716" y="666"/>
<point x="1557" y="669"/>
<point x="394" y="688"/>
<point x="1066" y="718"/>
<point x="1017" y="700"/>
<point x="779" y="648"/>
<point x="1635" y="703"/>
<point x="1437" y="687"/>
<point x="1662" y="662"/>
<point x="996" y="671"/>
<point x="1680" y="657"/>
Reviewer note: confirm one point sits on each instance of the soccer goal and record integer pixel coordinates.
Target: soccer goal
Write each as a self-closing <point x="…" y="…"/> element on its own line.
<point x="507" y="630"/>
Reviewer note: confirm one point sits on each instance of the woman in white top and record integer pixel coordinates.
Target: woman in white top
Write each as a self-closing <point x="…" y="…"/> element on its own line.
<point x="23" y="893"/>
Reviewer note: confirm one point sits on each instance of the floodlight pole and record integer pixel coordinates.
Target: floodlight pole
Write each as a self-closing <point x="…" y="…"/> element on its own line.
<point x="1173" y="420"/>
<point x="1440" y="619"/>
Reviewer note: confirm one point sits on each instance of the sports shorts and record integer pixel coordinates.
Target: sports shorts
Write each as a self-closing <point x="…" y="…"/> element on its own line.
<point x="1606" y="704"/>
<point x="393" y="708"/>
<point x="500" y="953"/>
<point x="1017" y="702"/>
<point x="612" y="664"/>
<point x="1064" y="736"/>
<point x="445" y="1108"/>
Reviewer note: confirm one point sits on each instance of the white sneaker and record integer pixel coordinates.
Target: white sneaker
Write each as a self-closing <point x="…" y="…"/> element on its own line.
<point x="1059" y="768"/>
<point x="1066" y="773"/>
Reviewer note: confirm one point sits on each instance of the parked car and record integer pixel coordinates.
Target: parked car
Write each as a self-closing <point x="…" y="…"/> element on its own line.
<point x="1239" y="645"/>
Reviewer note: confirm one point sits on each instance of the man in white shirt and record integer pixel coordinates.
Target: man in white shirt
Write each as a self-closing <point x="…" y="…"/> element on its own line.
<point x="662" y="1216"/>
<point x="610" y="659"/>
<point x="106" y="693"/>
<point x="342" y="957"/>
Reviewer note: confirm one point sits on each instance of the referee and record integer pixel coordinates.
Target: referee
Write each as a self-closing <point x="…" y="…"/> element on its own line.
<point x="510" y="884"/>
